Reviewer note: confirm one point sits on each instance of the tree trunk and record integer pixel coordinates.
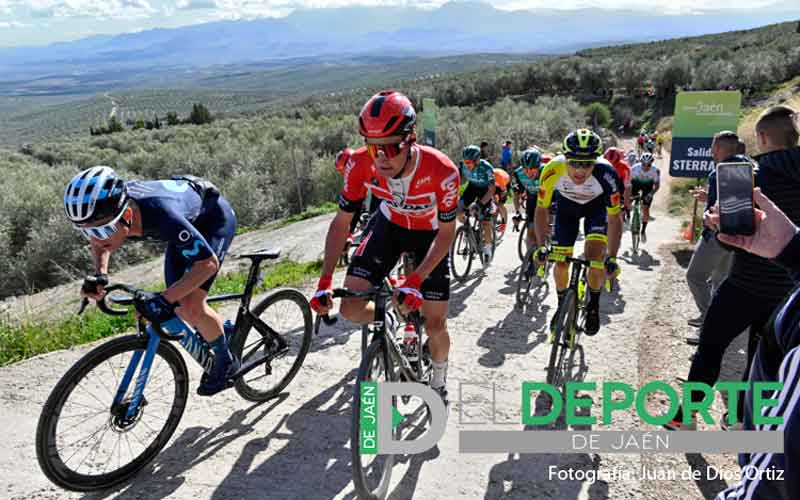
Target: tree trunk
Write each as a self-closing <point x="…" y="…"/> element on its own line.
<point x="297" y="181"/>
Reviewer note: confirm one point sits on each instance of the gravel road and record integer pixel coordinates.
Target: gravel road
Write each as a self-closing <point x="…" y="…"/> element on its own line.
<point x="226" y="448"/>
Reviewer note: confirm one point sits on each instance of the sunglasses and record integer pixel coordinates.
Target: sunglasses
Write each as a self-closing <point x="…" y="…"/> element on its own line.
<point x="389" y="150"/>
<point x="470" y="163"/>
<point x="103" y="232"/>
<point x="581" y="164"/>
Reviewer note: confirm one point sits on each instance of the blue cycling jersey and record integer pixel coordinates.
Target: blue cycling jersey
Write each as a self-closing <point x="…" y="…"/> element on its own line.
<point x="171" y="210"/>
<point x="531" y="184"/>
<point x="481" y="176"/>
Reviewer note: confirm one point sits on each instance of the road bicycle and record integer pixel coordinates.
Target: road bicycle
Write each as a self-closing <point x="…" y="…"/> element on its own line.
<point x="117" y="407"/>
<point x="532" y="275"/>
<point x="358" y="233"/>
<point x="569" y="319"/>
<point x="468" y="242"/>
<point x="636" y="222"/>
<point x="384" y="359"/>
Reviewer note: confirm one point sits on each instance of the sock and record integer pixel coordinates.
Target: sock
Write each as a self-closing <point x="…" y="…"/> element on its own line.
<point x="220" y="347"/>
<point x="439" y="376"/>
<point x="561" y="297"/>
<point x="594" y="299"/>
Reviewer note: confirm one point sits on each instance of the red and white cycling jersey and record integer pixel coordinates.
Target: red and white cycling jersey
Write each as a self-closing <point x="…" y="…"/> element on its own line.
<point x="417" y="201"/>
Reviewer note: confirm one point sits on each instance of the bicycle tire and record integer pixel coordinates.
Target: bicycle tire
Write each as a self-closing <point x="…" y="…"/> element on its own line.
<point x="524" y="287"/>
<point x="375" y="358"/>
<point x="461" y="251"/>
<point x="635" y="229"/>
<point x="565" y="317"/>
<point x="244" y="386"/>
<point x="50" y="461"/>
<point x="522" y="242"/>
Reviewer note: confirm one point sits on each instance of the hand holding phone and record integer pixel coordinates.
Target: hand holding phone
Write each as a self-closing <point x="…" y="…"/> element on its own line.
<point x="735" y="196"/>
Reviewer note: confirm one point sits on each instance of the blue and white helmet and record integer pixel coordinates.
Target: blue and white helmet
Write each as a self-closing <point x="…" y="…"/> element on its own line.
<point x="95" y="194"/>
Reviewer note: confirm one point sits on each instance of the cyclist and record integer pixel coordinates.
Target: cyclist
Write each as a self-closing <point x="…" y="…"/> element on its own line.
<point x="659" y="144"/>
<point x="501" y="182"/>
<point x="640" y="142"/>
<point x="191" y="216"/>
<point x="371" y="205"/>
<point x="586" y="187"/>
<point x="645" y="179"/>
<point x="527" y="177"/>
<point x="614" y="156"/>
<point x="418" y="189"/>
<point x="481" y="188"/>
<point x="631" y="157"/>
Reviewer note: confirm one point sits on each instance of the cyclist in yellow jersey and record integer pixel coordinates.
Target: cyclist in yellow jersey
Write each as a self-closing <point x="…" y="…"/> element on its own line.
<point x="587" y="187"/>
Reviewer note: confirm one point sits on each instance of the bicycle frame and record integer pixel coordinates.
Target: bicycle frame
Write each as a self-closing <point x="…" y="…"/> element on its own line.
<point x="245" y="320"/>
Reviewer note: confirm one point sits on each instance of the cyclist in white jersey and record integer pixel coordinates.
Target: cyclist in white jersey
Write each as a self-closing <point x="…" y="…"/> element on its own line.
<point x="645" y="179"/>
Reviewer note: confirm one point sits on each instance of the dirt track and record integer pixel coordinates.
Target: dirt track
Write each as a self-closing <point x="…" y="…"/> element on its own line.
<point x="226" y="448"/>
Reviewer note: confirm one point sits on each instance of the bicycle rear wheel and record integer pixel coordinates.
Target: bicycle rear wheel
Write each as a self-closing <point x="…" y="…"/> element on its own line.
<point x="565" y="320"/>
<point x="371" y="473"/>
<point x="461" y="254"/>
<point x="287" y="314"/>
<point x="525" y="279"/>
<point x="81" y="435"/>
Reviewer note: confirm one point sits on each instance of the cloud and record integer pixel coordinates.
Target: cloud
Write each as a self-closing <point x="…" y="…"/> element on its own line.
<point x="195" y="4"/>
<point x="102" y="9"/>
<point x="11" y="24"/>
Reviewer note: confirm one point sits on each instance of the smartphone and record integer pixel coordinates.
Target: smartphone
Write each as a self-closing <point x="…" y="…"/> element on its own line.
<point x="735" y="195"/>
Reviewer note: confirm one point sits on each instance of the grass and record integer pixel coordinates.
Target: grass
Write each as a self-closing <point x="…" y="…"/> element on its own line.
<point x="308" y="213"/>
<point x="34" y="337"/>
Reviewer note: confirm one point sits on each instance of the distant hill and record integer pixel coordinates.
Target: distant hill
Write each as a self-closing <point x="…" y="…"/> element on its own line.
<point x="454" y="28"/>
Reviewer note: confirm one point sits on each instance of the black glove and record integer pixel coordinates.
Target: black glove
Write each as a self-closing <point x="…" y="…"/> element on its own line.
<point x="90" y="283"/>
<point x="154" y="307"/>
<point x="612" y="268"/>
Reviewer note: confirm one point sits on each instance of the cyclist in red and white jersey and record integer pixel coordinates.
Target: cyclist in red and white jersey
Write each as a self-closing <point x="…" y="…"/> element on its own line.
<point x="418" y="189"/>
<point x="615" y="158"/>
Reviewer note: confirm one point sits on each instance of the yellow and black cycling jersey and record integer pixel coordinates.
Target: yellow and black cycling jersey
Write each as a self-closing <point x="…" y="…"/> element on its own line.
<point x="603" y="183"/>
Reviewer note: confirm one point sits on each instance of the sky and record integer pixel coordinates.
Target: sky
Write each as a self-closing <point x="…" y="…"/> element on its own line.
<point x="40" y="22"/>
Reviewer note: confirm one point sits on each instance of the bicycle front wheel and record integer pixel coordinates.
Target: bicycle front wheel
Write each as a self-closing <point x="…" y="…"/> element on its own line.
<point x="371" y="473"/>
<point x="286" y="314"/>
<point x="461" y="254"/>
<point x="564" y="324"/>
<point x="525" y="278"/>
<point x="84" y="442"/>
<point x="522" y="242"/>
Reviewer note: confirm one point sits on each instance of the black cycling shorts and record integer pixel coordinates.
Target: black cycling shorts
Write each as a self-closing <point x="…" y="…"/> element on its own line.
<point x="645" y="189"/>
<point x="381" y="247"/>
<point x="530" y="208"/>
<point x="217" y="224"/>
<point x="471" y="194"/>
<point x="568" y="216"/>
<point x="501" y="196"/>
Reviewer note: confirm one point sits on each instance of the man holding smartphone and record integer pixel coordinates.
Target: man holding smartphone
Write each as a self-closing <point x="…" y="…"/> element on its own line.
<point x="710" y="261"/>
<point x="755" y="286"/>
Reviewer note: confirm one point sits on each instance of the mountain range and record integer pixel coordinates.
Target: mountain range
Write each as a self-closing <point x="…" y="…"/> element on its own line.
<point x="459" y="27"/>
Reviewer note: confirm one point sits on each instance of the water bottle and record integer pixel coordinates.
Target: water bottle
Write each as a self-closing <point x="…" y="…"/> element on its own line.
<point x="191" y="341"/>
<point x="228" y="328"/>
<point x="410" y="342"/>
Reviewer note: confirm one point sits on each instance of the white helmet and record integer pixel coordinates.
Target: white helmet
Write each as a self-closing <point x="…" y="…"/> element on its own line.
<point x="94" y="194"/>
<point x="647" y="158"/>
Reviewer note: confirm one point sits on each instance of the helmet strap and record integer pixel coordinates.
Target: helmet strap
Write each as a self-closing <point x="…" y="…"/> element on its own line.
<point x="405" y="165"/>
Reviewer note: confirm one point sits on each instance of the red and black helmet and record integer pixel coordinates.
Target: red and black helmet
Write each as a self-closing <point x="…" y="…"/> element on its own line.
<point x="342" y="157"/>
<point x="387" y="113"/>
<point x="613" y="155"/>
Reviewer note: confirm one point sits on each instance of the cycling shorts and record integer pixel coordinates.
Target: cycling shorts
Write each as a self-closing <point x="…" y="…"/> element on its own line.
<point x="568" y="216"/>
<point x="516" y="186"/>
<point x="471" y="194"/>
<point x="381" y="247"/>
<point x="645" y="189"/>
<point x="501" y="196"/>
<point x="530" y="209"/>
<point x="217" y="224"/>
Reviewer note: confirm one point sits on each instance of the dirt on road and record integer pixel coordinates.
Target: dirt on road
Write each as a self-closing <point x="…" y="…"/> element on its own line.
<point x="298" y="447"/>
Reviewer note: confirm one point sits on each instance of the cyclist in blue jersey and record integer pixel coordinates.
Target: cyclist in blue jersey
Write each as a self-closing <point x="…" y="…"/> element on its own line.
<point x="189" y="214"/>
<point x="480" y="175"/>
<point x="526" y="180"/>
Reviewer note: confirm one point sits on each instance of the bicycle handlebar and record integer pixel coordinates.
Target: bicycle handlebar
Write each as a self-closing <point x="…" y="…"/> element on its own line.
<point x="339" y="293"/>
<point x="107" y="309"/>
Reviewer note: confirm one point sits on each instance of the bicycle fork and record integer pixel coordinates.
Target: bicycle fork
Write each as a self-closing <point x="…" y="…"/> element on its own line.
<point x="138" y="391"/>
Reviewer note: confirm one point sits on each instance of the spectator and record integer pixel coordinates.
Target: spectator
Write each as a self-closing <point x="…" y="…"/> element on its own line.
<point x="755" y="286"/>
<point x="710" y="261"/>
<point x="506" y="156"/>
<point x="484" y="150"/>
<point x="777" y="360"/>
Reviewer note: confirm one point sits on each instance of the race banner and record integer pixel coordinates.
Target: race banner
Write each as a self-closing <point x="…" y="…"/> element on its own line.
<point x="429" y="122"/>
<point x="698" y="116"/>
